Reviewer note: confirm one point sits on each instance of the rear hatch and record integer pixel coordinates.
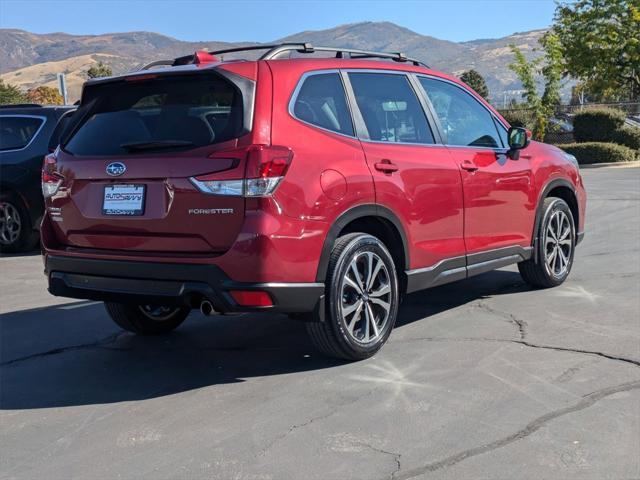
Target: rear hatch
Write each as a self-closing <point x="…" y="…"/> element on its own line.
<point x="127" y="162"/>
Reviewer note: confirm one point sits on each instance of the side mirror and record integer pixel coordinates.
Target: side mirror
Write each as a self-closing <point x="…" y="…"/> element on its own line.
<point x="519" y="138"/>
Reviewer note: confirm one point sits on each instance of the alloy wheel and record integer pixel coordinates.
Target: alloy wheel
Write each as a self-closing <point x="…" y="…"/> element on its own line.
<point x="10" y="224"/>
<point x="157" y="312"/>
<point x="366" y="297"/>
<point x="558" y="243"/>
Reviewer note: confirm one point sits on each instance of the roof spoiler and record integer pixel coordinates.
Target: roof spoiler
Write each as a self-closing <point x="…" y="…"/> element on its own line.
<point x="199" y="57"/>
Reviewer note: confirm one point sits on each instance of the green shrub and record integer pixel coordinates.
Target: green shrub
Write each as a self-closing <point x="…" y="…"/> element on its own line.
<point x="597" y="125"/>
<point x="628" y="136"/>
<point x="520" y="118"/>
<point x="599" y="152"/>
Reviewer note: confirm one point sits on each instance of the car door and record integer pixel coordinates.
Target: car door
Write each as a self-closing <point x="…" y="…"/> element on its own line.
<point x="414" y="177"/>
<point x="498" y="206"/>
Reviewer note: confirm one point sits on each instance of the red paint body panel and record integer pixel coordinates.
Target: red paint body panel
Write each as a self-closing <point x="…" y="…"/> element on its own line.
<point x="499" y="200"/>
<point x="443" y="210"/>
<point x="315" y="150"/>
<point x="426" y="194"/>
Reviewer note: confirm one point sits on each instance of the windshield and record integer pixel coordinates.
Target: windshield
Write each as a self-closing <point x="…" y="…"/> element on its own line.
<point x="157" y="114"/>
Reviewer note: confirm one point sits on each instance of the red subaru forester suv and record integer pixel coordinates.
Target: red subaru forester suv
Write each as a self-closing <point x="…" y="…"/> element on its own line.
<point x="323" y="186"/>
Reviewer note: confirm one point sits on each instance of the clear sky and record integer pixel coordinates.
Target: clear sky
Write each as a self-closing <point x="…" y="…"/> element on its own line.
<point x="264" y="20"/>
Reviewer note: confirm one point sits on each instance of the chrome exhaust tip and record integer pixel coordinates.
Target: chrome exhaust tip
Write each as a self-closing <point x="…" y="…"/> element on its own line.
<point x="206" y="308"/>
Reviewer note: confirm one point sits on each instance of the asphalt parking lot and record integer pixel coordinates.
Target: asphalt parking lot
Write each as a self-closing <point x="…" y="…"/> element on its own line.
<point x="483" y="378"/>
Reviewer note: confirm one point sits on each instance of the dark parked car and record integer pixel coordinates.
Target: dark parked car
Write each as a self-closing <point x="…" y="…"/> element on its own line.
<point x="27" y="134"/>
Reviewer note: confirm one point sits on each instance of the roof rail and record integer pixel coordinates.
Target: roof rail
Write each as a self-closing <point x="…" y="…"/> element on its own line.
<point x="276" y="51"/>
<point x="157" y="63"/>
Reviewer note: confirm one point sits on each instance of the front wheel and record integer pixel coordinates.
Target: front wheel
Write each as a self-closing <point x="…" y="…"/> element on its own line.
<point x="361" y="299"/>
<point x="555" y="248"/>
<point x="146" y="319"/>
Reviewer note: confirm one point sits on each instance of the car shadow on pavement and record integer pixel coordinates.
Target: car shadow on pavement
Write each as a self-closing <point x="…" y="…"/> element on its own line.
<point x="74" y="355"/>
<point x="30" y="253"/>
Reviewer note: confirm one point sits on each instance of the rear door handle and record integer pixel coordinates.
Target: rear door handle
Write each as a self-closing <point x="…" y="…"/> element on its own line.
<point x="469" y="166"/>
<point x="386" y="166"/>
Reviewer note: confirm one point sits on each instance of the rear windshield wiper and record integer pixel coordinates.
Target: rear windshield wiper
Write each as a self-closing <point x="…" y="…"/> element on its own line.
<point x="154" y="145"/>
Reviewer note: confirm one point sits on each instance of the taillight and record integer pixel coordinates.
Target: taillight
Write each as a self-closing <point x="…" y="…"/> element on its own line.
<point x="266" y="167"/>
<point x="51" y="179"/>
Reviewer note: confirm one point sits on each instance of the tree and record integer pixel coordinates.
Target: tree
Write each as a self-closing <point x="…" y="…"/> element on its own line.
<point x="476" y="81"/>
<point x="45" y="96"/>
<point x="10" y="94"/>
<point x="600" y="44"/>
<point x="550" y="67"/>
<point x="98" y="70"/>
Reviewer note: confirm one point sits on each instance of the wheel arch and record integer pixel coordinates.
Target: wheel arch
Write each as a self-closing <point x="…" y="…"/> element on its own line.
<point x="375" y="220"/>
<point x="9" y="189"/>
<point x="560" y="188"/>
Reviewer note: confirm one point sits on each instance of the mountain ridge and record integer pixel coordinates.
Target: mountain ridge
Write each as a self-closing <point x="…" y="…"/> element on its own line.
<point x="21" y="50"/>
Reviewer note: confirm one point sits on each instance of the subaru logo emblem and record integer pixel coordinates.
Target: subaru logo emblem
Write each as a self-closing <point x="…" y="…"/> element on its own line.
<point x="116" y="169"/>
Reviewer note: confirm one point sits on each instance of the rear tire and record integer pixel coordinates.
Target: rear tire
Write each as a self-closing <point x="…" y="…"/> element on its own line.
<point x="361" y="297"/>
<point x="16" y="232"/>
<point x="146" y="319"/>
<point x="553" y="259"/>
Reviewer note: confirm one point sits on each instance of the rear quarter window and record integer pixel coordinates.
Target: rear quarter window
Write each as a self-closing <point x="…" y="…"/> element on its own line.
<point x="321" y="101"/>
<point x="165" y="113"/>
<point x="16" y="132"/>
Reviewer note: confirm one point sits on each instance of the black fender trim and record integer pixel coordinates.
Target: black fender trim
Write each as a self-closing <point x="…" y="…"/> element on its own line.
<point x="558" y="182"/>
<point x="360" y="211"/>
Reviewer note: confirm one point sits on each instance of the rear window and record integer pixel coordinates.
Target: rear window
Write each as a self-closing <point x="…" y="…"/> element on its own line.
<point x="17" y="132"/>
<point x="160" y="114"/>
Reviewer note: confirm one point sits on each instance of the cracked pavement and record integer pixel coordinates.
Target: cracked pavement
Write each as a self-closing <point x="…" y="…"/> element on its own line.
<point x="483" y="378"/>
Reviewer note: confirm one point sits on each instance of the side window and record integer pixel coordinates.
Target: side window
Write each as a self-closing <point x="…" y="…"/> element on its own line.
<point x="321" y="101"/>
<point x="17" y="132"/>
<point x="464" y="120"/>
<point x="390" y="108"/>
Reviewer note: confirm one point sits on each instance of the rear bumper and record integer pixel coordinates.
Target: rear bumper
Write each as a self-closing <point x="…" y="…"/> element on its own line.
<point x="171" y="284"/>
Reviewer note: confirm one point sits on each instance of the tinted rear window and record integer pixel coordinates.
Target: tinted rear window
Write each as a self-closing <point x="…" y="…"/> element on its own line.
<point x="17" y="132"/>
<point x="160" y="114"/>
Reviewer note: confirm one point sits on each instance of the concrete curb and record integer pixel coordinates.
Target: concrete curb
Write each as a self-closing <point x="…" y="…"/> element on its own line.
<point x="612" y="165"/>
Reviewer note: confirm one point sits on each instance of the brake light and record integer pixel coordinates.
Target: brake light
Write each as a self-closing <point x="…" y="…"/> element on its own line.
<point x="248" y="298"/>
<point x="265" y="169"/>
<point x="140" y="78"/>
<point x="51" y="179"/>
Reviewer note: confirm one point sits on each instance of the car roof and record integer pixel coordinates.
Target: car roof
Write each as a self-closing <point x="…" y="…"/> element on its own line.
<point x="34" y="109"/>
<point x="340" y="56"/>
